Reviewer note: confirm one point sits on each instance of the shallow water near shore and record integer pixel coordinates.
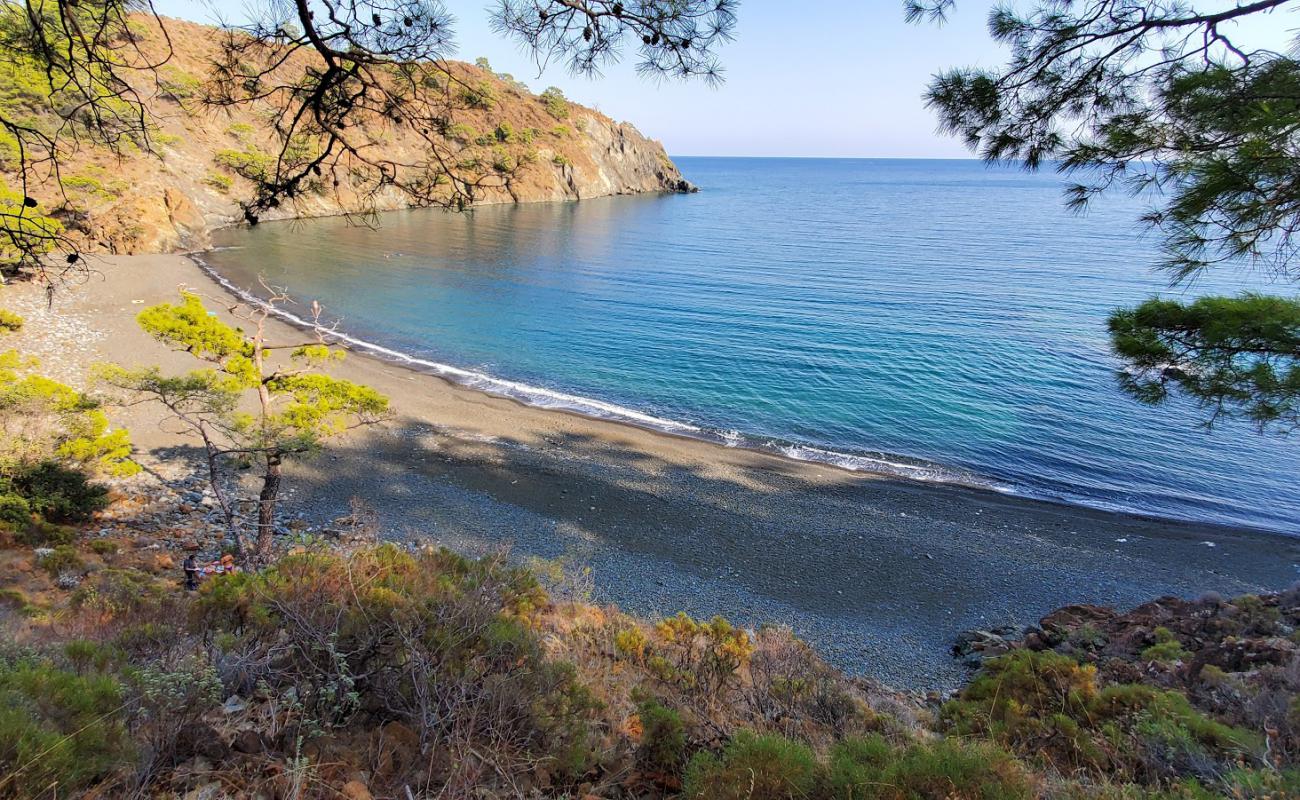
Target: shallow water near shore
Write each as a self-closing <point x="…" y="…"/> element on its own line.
<point x="935" y="319"/>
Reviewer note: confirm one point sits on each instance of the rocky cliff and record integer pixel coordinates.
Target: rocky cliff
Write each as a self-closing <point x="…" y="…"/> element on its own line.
<point x="204" y="160"/>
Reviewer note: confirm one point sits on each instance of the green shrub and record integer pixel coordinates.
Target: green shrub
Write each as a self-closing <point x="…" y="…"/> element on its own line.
<point x="251" y="164"/>
<point x="869" y="768"/>
<point x="85" y="655"/>
<point x="1048" y="707"/>
<point x="663" y="738"/>
<point x="118" y="591"/>
<point x="1087" y="636"/>
<point x="480" y="96"/>
<point x="9" y="321"/>
<point x="222" y="183"/>
<point x="63" y="559"/>
<point x="631" y="642"/>
<point x="428" y="619"/>
<point x="462" y="132"/>
<point x="46" y="534"/>
<point x="556" y="104"/>
<point x="753" y="767"/>
<point x="89" y="184"/>
<point x="59" y="732"/>
<point x="1258" y="784"/>
<point x="560" y="160"/>
<point x="1167" y="647"/>
<point x="15" y="510"/>
<point x="59" y="493"/>
<point x="857" y="765"/>
<point x="103" y="547"/>
<point x="178" y="85"/>
<point x="241" y="131"/>
<point x="504" y="132"/>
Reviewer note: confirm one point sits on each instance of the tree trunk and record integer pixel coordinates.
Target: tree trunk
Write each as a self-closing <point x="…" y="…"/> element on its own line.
<point x="266" y="507"/>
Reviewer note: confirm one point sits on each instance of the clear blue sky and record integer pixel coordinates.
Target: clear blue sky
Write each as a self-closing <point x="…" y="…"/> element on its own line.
<point x="814" y="78"/>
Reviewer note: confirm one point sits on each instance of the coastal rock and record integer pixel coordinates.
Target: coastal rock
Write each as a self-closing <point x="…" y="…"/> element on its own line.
<point x="972" y="647"/>
<point x="1244" y="655"/>
<point x="1063" y="620"/>
<point x="247" y="741"/>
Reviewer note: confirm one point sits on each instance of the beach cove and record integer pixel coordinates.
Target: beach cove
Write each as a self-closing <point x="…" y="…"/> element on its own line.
<point x="879" y="573"/>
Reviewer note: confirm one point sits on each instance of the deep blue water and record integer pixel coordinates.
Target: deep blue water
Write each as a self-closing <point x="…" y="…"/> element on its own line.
<point x="940" y="319"/>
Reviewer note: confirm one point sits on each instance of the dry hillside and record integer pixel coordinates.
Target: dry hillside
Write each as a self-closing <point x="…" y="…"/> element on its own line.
<point x="205" y="157"/>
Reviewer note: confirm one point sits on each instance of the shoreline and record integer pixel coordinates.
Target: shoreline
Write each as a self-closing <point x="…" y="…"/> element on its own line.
<point x="880" y="573"/>
<point x="645" y="421"/>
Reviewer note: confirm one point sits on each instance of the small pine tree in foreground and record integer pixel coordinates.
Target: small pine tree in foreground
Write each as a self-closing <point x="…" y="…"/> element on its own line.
<point x="296" y="406"/>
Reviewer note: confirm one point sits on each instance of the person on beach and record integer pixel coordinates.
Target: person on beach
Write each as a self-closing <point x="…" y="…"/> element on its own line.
<point x="191" y="568"/>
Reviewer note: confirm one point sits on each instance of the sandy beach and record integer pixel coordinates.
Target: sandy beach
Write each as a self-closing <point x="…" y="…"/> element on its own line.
<point x="879" y="573"/>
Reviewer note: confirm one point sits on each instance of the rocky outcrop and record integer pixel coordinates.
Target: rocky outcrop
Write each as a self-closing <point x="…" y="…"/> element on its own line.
<point x="171" y="199"/>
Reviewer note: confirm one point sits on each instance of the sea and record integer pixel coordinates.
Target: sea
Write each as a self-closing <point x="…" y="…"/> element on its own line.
<point x="939" y="320"/>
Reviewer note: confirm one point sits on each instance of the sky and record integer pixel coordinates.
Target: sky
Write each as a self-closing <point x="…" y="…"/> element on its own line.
<point x="817" y="78"/>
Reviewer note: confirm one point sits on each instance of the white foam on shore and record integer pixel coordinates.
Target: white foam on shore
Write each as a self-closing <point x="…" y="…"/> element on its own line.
<point x="541" y="397"/>
<point x="531" y="395"/>
<point x="879" y="464"/>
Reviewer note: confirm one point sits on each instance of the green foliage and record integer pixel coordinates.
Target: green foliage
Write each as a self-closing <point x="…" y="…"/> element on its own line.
<point x="504" y="132"/>
<point x="27" y="233"/>
<point x="178" y="85"/>
<point x="699" y="657"/>
<point x="560" y="160"/>
<point x="115" y="592"/>
<point x="297" y="408"/>
<point x="222" y="183"/>
<point x="1166" y="648"/>
<point x="448" y="640"/>
<point x="9" y="321"/>
<point x="462" y="132"/>
<point x="252" y="164"/>
<point x="242" y="131"/>
<point x="64" y="559"/>
<point x="58" y="729"/>
<point x="15" y="510"/>
<point x="57" y="493"/>
<point x="43" y="421"/>
<point x="663" y="738"/>
<point x="90" y="184"/>
<point x="753" y="767"/>
<point x="103" y="547"/>
<point x="631" y="643"/>
<point x="554" y="101"/>
<point x="1047" y="706"/>
<point x="869" y="768"/>
<point x="480" y="96"/>
<point x="46" y="534"/>
<point x="1235" y="356"/>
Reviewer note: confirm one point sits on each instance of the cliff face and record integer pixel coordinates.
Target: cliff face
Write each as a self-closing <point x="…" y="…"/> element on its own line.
<point x="199" y="174"/>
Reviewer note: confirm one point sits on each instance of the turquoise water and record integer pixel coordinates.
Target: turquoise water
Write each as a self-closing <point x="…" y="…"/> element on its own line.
<point x="936" y="319"/>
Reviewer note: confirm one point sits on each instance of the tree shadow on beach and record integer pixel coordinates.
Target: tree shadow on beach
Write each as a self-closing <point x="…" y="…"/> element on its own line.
<point x="881" y="564"/>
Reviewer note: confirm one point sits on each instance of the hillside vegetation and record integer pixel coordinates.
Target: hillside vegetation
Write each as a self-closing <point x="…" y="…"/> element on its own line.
<point x="203" y="158"/>
<point x="353" y="669"/>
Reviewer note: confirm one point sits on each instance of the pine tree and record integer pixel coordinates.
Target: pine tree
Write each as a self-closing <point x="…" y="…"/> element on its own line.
<point x="296" y="406"/>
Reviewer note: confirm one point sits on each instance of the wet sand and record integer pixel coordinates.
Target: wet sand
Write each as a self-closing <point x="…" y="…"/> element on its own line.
<point x="879" y="573"/>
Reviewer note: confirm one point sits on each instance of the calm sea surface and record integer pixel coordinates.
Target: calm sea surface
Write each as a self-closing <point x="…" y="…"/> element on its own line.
<point x="936" y="319"/>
